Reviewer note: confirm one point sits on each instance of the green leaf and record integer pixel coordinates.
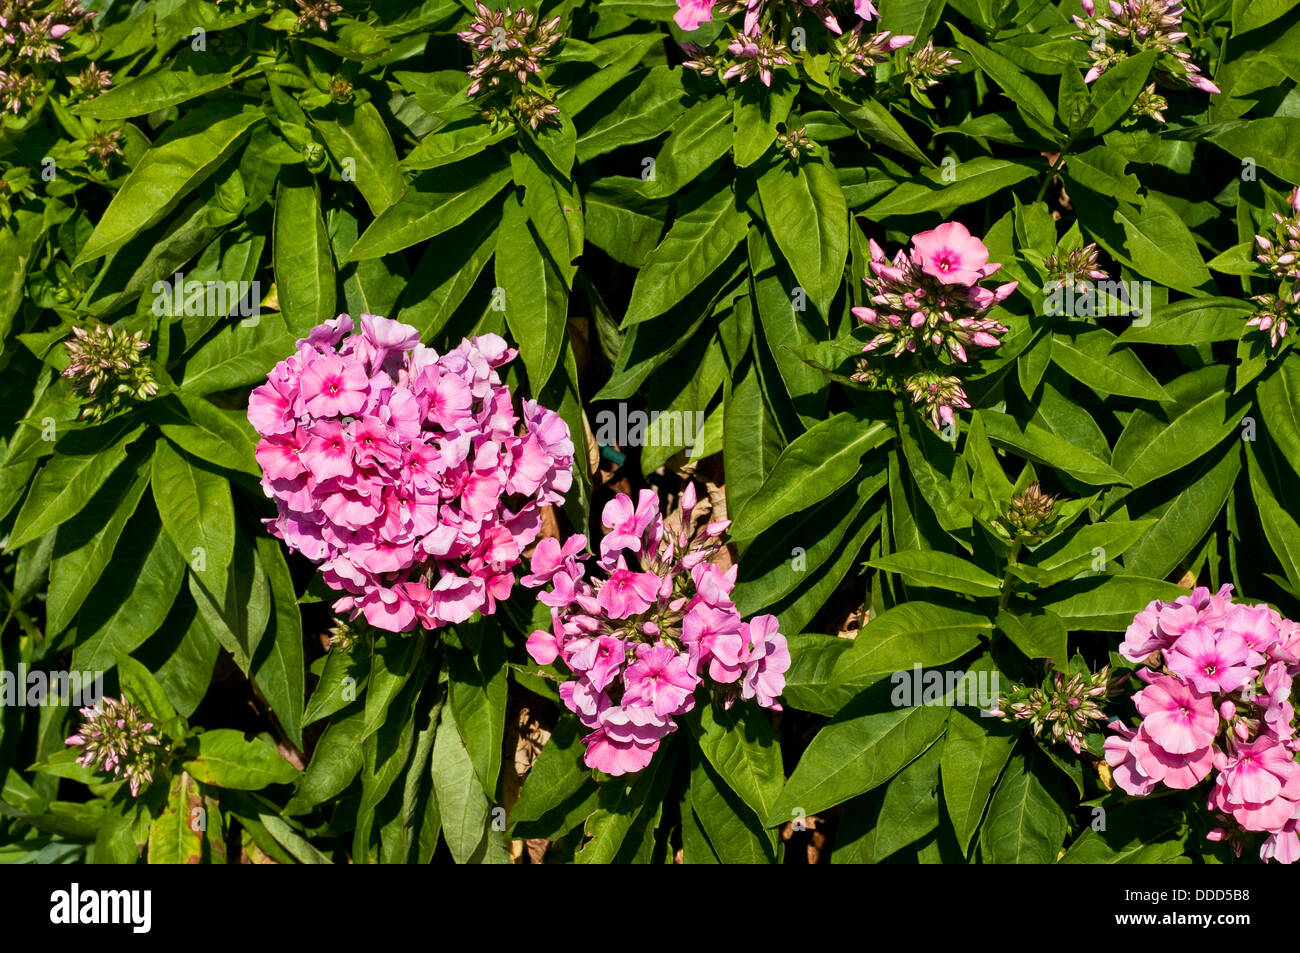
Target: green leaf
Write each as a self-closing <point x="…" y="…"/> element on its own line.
<point x="188" y="75"/>
<point x="942" y="570"/>
<point x="176" y="165"/>
<point x="558" y="773"/>
<point x="975" y="179"/>
<point x="141" y="687"/>
<point x="226" y="759"/>
<point x="1279" y="403"/>
<point x="807" y="215"/>
<point x="697" y="244"/>
<point x="742" y="748"/>
<point x="173" y="837"/>
<point x="871" y="118"/>
<point x="1106" y="604"/>
<point x="974" y="754"/>
<point x="908" y="811"/>
<point x="1088" y="354"/>
<point x="277" y="664"/>
<point x="82" y="463"/>
<point x="1039" y="636"/>
<point x="1271" y="141"/>
<point x="811" y="468"/>
<point x="1029" y="99"/>
<point x="1159" y="245"/>
<point x="85" y="544"/>
<point x="1186" y="518"/>
<point x="304" y="264"/>
<point x="1155" y="444"/>
<point x="914" y="633"/>
<point x="462" y="804"/>
<point x="731" y="828"/>
<point x="359" y="136"/>
<point x="237" y="355"/>
<point x="432" y="204"/>
<point x="1025" y="824"/>
<point x="1045" y="447"/>
<point x="198" y="514"/>
<point x="200" y="428"/>
<point x="854" y="753"/>
<point x="536" y="300"/>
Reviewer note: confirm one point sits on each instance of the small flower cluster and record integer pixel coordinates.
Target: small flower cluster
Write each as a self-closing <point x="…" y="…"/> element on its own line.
<point x="1073" y="266"/>
<point x="1027" y="517"/>
<point x="406" y="474"/>
<point x="1065" y="707"/>
<point x="927" y="66"/>
<point x="859" y="52"/>
<point x="1281" y="256"/>
<point x="509" y="47"/>
<point x="794" y="142"/>
<point x="931" y="301"/>
<point x="758" y="50"/>
<point x="1133" y="27"/>
<point x="641" y="637"/>
<point x="108" y="369"/>
<point x="116" y="736"/>
<point x="1218" y="680"/>
<point x="316" y="13"/>
<point x="32" y="35"/>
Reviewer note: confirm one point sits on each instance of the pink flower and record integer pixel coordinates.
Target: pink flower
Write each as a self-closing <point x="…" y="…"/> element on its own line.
<point x="332" y="386"/>
<point x="641" y="633"/>
<point x="1178" y="770"/>
<point x="766" y="661"/>
<point x="628" y="593"/>
<point x="1178" y="718"/>
<point x="691" y="13"/>
<point x="1118" y="749"/>
<point x="951" y="254"/>
<point x="409" y="476"/>
<point x="1211" y="664"/>
<point x="661" y="678"/>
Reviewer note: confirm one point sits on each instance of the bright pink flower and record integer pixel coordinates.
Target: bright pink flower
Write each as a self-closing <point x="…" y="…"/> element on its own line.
<point x="691" y="13"/>
<point x="1212" y="664"/>
<point x="661" y="678"/>
<point x="766" y="660"/>
<point x="1177" y="717"/>
<point x="391" y="466"/>
<point x="622" y="632"/>
<point x="951" y="254"/>
<point x="333" y="386"/>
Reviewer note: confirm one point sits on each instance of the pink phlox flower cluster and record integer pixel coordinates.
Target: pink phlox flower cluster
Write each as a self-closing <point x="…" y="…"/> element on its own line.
<point x="691" y="13"/>
<point x="406" y="474"/>
<point x="931" y="298"/>
<point x="1133" y="27"/>
<point x="642" y="633"/>
<point x="1217" y="700"/>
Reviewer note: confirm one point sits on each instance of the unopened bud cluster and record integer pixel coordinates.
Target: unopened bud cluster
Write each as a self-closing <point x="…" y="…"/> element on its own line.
<point x="1134" y="27"/>
<point x="794" y="142"/>
<point x="116" y="736"/>
<point x="1063" y="709"/>
<point x="928" y="65"/>
<point x="316" y="13"/>
<point x="1028" y="516"/>
<point x="509" y="48"/>
<point x="108" y="368"/>
<point x="1281" y="256"/>
<point x="33" y="36"/>
<point x="1075" y="265"/>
